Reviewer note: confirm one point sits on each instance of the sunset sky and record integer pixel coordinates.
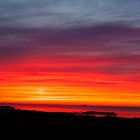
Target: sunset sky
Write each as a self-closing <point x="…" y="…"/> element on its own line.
<point x="70" y="51"/>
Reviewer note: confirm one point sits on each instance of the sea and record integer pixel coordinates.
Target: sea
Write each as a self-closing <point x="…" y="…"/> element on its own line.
<point x="122" y="111"/>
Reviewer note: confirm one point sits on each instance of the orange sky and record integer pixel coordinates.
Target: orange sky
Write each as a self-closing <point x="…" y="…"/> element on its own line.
<point x="84" y="87"/>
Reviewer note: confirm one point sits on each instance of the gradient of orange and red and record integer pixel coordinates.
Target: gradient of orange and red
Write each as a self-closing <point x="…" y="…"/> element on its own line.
<point x="58" y="64"/>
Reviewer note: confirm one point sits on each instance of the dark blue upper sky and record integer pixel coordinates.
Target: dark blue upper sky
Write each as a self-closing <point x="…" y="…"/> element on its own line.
<point x="69" y="13"/>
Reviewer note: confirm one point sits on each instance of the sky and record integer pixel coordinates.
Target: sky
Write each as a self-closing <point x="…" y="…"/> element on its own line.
<point x="70" y="51"/>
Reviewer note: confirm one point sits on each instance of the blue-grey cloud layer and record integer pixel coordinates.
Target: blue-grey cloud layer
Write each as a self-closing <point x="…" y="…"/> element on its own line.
<point x="68" y="13"/>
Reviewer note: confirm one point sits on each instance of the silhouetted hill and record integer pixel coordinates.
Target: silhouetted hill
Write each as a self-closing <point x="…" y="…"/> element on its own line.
<point x="46" y="125"/>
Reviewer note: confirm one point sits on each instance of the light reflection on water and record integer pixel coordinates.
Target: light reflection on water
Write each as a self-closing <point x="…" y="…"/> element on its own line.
<point x="128" y="112"/>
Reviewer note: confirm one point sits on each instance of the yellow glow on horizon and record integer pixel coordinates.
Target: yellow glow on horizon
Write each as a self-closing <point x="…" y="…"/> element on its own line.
<point x="68" y="95"/>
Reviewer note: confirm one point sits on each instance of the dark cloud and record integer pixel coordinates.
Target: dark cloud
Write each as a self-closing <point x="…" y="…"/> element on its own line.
<point x="99" y="42"/>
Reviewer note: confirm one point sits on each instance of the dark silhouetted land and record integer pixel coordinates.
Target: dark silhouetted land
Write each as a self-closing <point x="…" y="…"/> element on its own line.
<point x="57" y="125"/>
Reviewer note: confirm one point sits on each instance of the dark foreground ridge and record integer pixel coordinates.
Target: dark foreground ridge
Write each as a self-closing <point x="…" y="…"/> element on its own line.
<point x="57" y="125"/>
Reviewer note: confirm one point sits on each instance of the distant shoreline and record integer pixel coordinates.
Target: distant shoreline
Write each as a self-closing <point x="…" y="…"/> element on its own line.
<point x="127" y="112"/>
<point x="51" y="104"/>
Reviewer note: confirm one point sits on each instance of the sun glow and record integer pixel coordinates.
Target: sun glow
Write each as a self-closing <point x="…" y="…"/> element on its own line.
<point x="41" y="92"/>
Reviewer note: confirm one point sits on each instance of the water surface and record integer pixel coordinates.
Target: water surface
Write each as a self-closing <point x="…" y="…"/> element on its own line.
<point x="128" y="112"/>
